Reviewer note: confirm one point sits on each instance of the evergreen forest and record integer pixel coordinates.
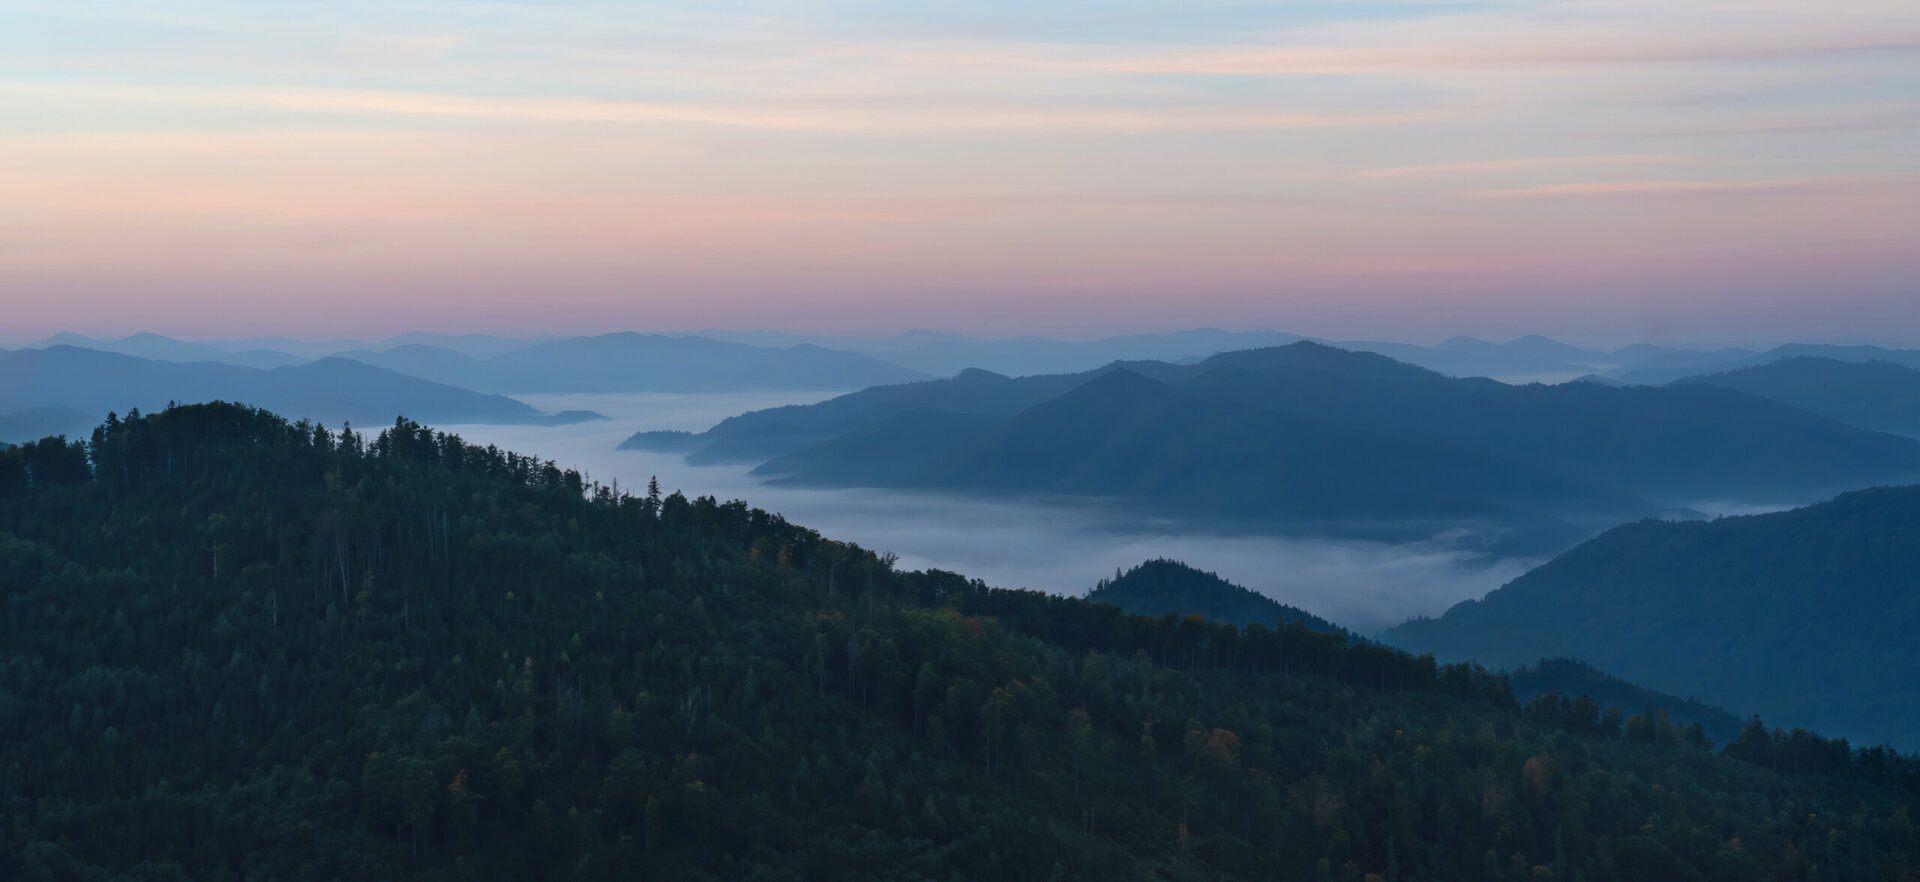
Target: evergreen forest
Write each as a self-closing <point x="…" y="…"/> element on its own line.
<point x="238" y="647"/>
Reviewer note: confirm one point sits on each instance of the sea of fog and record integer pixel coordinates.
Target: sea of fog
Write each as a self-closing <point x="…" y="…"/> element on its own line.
<point x="1064" y="549"/>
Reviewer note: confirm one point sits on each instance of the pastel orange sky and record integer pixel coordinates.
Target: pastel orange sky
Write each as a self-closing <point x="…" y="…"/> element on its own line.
<point x="1602" y="169"/>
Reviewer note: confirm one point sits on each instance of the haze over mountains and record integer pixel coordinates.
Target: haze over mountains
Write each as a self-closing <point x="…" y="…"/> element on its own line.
<point x="713" y="359"/>
<point x="642" y="363"/>
<point x="331" y="390"/>
<point x="1307" y="432"/>
<point x="1879" y="395"/>
<point x="532" y="676"/>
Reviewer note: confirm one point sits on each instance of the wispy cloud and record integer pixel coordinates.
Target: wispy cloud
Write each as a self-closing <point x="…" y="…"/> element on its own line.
<point x="891" y="116"/>
<point x="1274" y="157"/>
<point x="1642" y="188"/>
<point x="1505" y="165"/>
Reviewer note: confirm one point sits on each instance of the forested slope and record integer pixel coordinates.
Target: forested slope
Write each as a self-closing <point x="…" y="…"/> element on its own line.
<point x="1804" y="615"/>
<point x="1161" y="586"/>
<point x="241" y="648"/>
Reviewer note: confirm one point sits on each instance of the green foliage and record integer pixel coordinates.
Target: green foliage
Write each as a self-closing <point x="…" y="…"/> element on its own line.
<point x="1562" y="678"/>
<point x="244" y="648"/>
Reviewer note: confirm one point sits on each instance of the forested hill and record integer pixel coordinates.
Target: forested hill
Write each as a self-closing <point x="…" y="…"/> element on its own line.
<point x="1163" y="586"/>
<point x="1315" y="438"/>
<point x="1805" y="615"/>
<point x="242" y="648"/>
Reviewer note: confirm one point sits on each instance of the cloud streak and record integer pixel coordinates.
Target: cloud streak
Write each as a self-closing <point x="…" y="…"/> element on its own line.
<point x="934" y="163"/>
<point x="1661" y="188"/>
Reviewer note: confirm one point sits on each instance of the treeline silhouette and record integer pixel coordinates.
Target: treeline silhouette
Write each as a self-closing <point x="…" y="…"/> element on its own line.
<point x="238" y="647"/>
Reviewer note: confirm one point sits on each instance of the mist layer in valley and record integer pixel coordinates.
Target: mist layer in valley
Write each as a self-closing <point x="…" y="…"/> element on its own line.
<point x="1060" y="548"/>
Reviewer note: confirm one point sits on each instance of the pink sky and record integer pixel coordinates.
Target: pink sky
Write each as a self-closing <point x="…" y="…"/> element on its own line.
<point x="1607" y="169"/>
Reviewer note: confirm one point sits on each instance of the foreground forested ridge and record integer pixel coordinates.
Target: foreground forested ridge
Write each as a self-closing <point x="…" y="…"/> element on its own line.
<point x="238" y="647"/>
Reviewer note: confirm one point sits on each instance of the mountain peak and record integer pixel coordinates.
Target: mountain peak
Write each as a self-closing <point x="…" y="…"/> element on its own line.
<point x="978" y="375"/>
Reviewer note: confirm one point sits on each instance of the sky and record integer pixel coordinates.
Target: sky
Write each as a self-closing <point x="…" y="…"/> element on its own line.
<point x="1593" y="169"/>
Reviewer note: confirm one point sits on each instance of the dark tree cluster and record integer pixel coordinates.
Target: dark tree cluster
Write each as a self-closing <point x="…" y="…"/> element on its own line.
<point x="241" y="648"/>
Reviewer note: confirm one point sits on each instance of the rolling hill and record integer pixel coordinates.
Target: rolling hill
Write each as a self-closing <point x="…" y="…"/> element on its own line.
<point x="1681" y="366"/>
<point x="241" y="647"/>
<point x="1127" y="436"/>
<point x="1877" y="395"/>
<point x="1158" y="587"/>
<point x="34" y="423"/>
<point x="331" y="390"/>
<point x="1311" y="431"/>
<point x="1804" y="616"/>
<point x="629" y="362"/>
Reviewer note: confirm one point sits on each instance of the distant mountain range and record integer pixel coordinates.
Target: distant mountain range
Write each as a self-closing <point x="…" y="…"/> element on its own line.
<point x="944" y="354"/>
<point x="1309" y="432"/>
<point x="628" y="362"/>
<point x="1672" y="366"/>
<point x="1803" y="616"/>
<point x="1879" y="395"/>
<point x="723" y="360"/>
<point x="622" y="362"/>
<point x="35" y="423"/>
<point x="330" y="390"/>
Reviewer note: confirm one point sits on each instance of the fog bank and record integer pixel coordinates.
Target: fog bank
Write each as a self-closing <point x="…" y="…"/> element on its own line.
<point x="1059" y="548"/>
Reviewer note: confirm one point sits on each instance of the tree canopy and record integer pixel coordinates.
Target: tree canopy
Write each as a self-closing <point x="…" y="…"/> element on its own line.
<point x="238" y="647"/>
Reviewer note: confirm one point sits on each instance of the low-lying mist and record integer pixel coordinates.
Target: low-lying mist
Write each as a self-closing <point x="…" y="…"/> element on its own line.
<point x="1064" y="549"/>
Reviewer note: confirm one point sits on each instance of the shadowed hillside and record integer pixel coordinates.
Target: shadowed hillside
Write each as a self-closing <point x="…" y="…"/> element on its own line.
<point x="1877" y="395"/>
<point x="1804" y="616"/>
<point x="243" y="647"/>
<point x="1162" y="586"/>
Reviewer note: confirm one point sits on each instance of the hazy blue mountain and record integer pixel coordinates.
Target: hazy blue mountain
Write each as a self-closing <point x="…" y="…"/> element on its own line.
<point x="1154" y="452"/>
<point x="1806" y="617"/>
<point x="472" y="345"/>
<point x="302" y="349"/>
<point x="628" y="362"/>
<point x="35" y="423"/>
<point x="761" y="435"/>
<point x="1127" y="436"/>
<point x="1877" y="395"/>
<point x="906" y="340"/>
<point x="142" y="345"/>
<point x="428" y="363"/>
<point x="159" y="348"/>
<point x="885" y="454"/>
<point x="1676" y="445"/>
<point x="264" y="359"/>
<point x="1638" y="363"/>
<point x="1162" y="586"/>
<point x="1652" y="374"/>
<point x="1473" y="357"/>
<point x="1672" y="445"/>
<point x="330" y="390"/>
<point x="1851" y="352"/>
<point x="942" y="354"/>
<point x="1035" y="355"/>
